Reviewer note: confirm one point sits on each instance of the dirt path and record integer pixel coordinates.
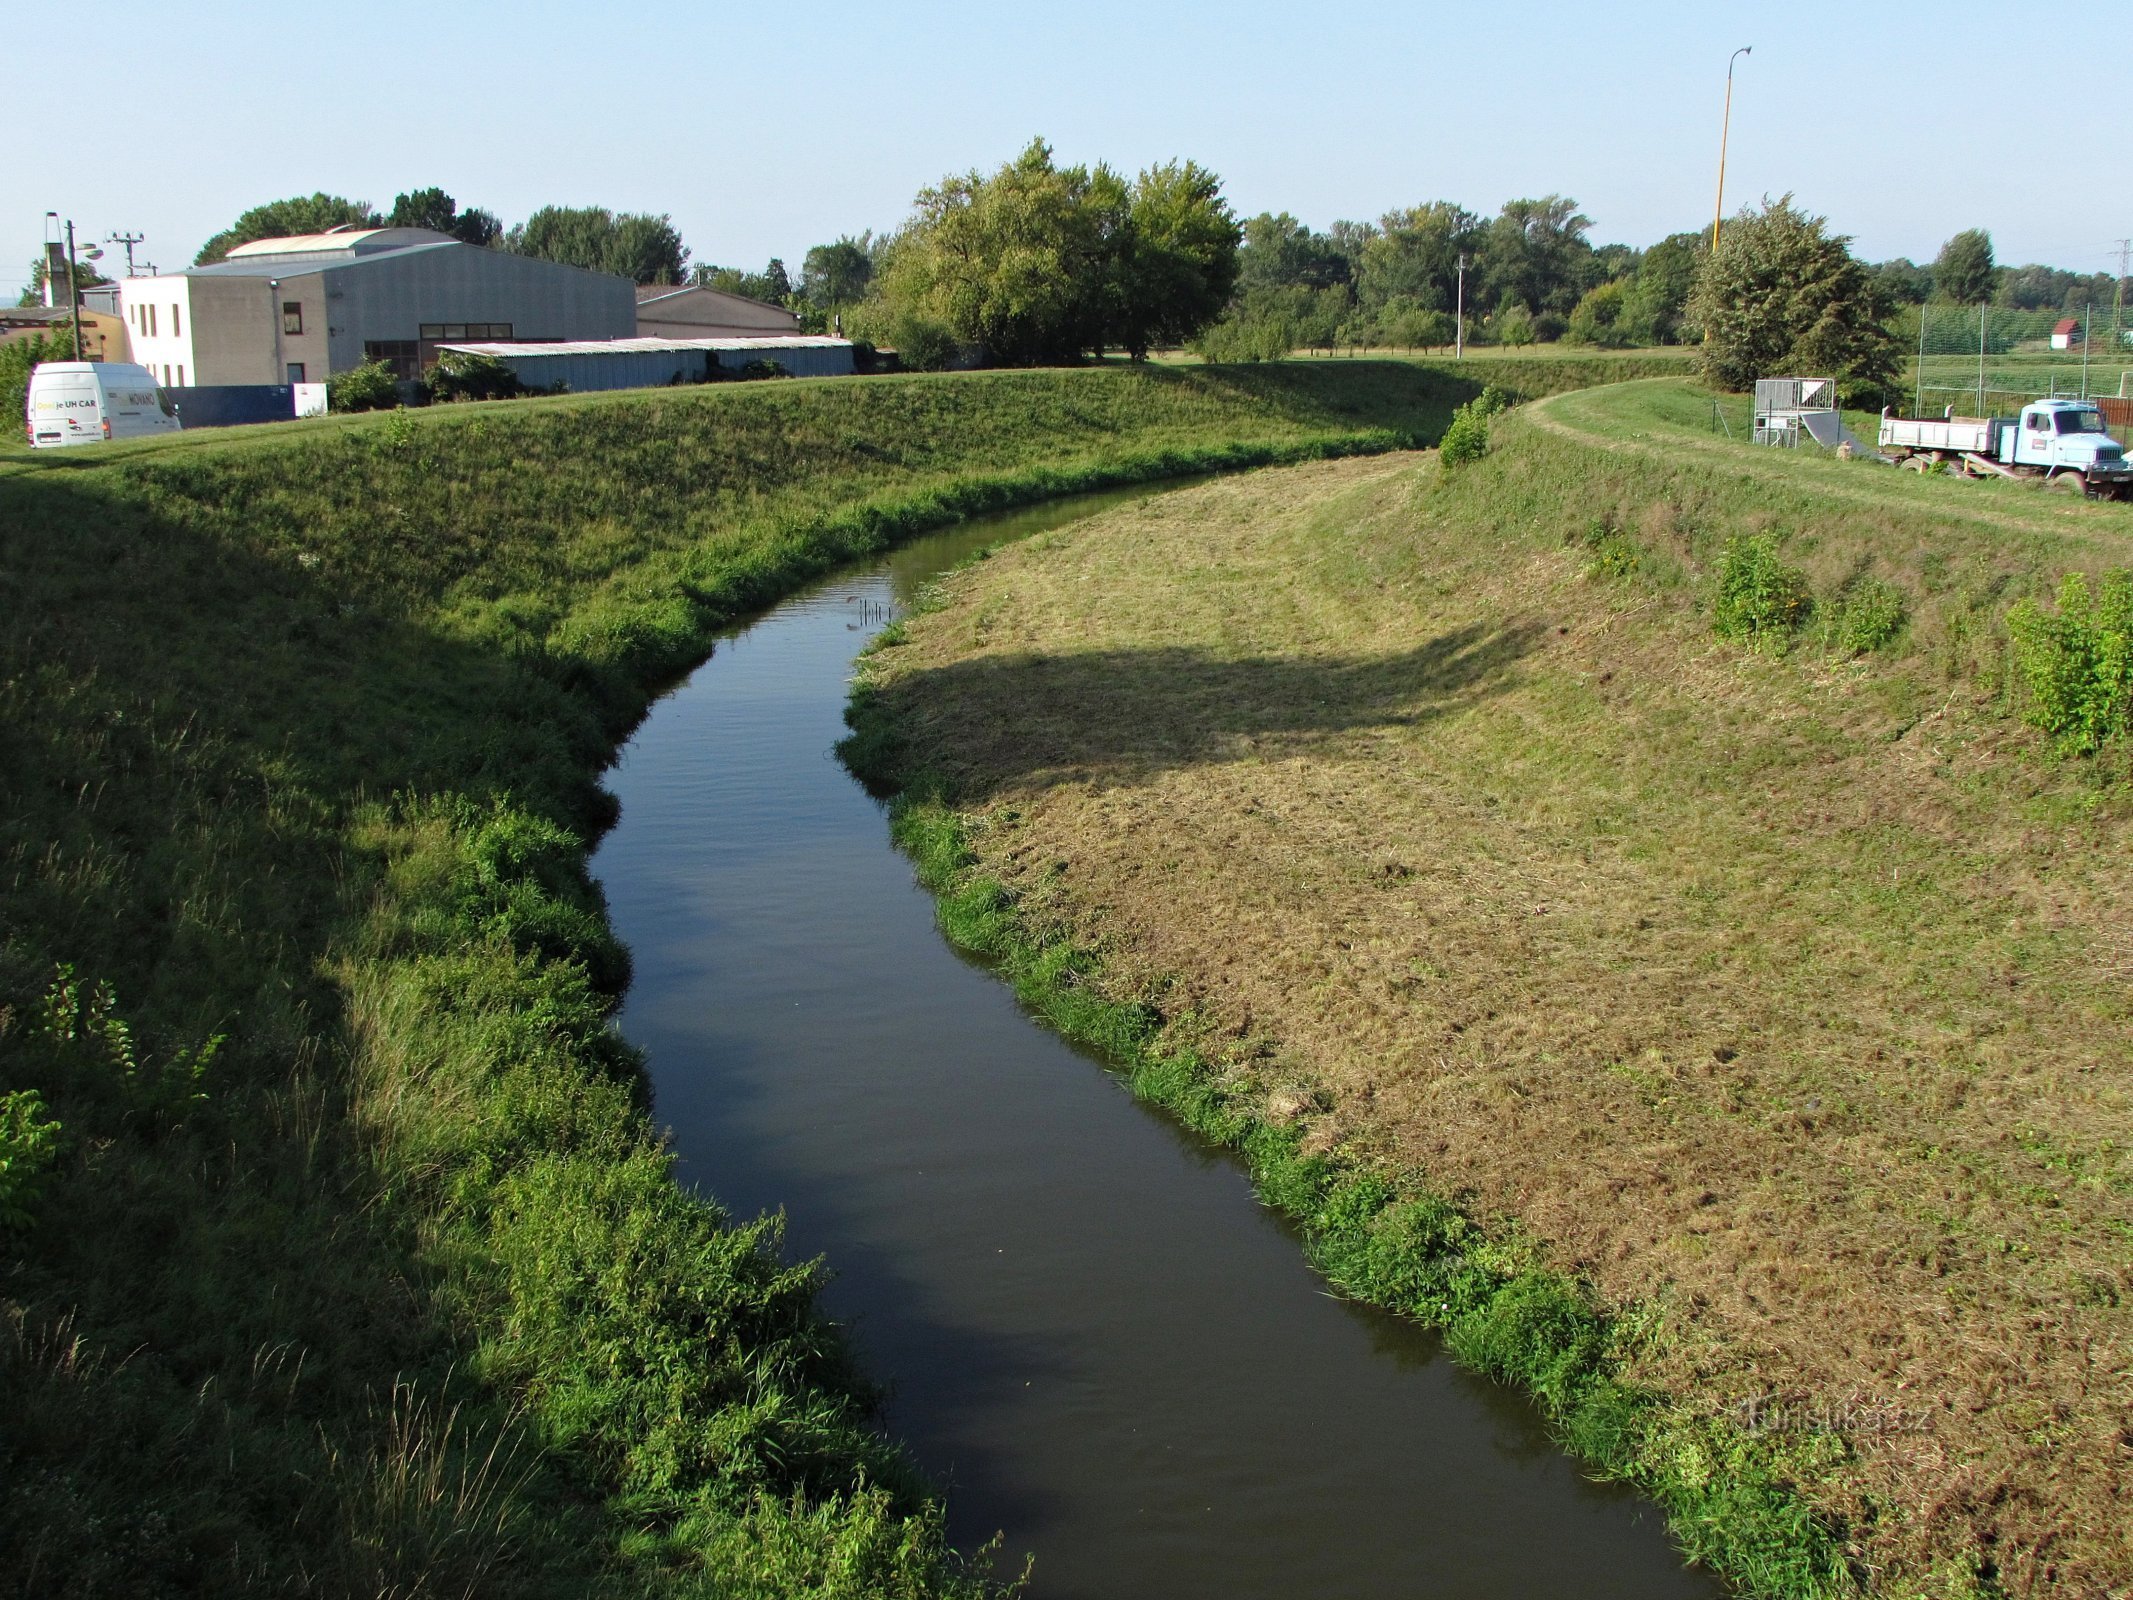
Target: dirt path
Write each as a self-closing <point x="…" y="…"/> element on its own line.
<point x="1898" y="495"/>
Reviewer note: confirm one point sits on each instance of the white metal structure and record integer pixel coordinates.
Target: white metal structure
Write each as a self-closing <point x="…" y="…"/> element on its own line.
<point x="87" y="402"/>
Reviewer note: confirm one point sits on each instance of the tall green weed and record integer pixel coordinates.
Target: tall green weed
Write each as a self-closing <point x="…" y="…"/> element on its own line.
<point x="1761" y="599"/>
<point x="1467" y="438"/>
<point x="2078" y="662"/>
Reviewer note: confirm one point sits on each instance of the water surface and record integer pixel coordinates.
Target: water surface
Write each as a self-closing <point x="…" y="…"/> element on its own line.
<point x="1095" y="1339"/>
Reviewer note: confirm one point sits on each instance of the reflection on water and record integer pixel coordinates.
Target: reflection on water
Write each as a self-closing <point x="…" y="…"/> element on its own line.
<point x="1093" y="1336"/>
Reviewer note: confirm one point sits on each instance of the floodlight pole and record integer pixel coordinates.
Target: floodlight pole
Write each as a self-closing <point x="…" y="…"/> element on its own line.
<point x="1725" y="128"/>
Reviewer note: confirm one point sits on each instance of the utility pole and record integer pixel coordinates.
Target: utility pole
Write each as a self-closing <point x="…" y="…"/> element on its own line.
<point x="1725" y="128"/>
<point x="1459" y="317"/>
<point x="2118" y="300"/>
<point x="129" y="240"/>
<point x="74" y="294"/>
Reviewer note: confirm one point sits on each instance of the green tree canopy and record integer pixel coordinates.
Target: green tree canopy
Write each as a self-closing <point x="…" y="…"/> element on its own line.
<point x="1535" y="252"/>
<point x="1278" y="252"/>
<point x="838" y="274"/>
<point x="433" y="208"/>
<point x="1903" y="281"/>
<point x="1782" y="294"/>
<point x="771" y="285"/>
<point x="278" y="219"/>
<point x="85" y="277"/>
<point x="1963" y="270"/>
<point x="1599" y="318"/>
<point x="1177" y="261"/>
<point x="633" y="245"/>
<point x="1665" y="275"/>
<point x="1040" y="263"/>
<point x="1412" y="256"/>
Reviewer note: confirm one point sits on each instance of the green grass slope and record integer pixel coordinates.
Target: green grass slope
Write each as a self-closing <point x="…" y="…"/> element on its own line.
<point x="1645" y="841"/>
<point x="338" y="1253"/>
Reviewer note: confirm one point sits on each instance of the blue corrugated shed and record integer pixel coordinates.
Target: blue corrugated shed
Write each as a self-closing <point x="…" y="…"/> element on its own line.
<point x="585" y="365"/>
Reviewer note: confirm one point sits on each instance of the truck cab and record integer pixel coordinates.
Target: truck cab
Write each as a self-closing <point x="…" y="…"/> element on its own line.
<point x="2067" y="440"/>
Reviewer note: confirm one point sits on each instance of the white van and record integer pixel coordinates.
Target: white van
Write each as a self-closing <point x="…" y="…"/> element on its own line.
<point x="86" y="402"/>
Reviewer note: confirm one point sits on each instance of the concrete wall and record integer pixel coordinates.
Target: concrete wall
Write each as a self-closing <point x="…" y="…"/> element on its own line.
<point x="224" y="327"/>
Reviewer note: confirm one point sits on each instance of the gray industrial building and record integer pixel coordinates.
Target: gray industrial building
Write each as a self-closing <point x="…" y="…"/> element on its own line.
<point x="300" y="309"/>
<point x="582" y="366"/>
<point x="691" y="311"/>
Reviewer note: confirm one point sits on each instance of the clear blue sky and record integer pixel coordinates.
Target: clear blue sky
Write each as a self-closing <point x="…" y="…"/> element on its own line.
<point x="765" y="129"/>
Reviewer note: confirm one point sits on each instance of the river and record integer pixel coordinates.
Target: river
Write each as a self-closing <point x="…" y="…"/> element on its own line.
<point x="1095" y="1339"/>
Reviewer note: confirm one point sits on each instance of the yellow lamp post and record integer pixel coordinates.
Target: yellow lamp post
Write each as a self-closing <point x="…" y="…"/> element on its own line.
<point x="1724" y="128"/>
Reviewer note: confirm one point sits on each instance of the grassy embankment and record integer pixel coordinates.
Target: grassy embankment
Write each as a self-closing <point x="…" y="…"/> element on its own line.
<point x="1727" y="1041"/>
<point x="354" y="1264"/>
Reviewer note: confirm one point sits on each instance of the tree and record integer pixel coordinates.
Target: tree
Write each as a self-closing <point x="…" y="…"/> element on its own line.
<point x="1278" y="252"/>
<point x="85" y="277"/>
<point x="1665" y="275"/>
<point x="278" y="219"/>
<point x="21" y="357"/>
<point x="438" y="211"/>
<point x="1512" y="325"/>
<point x="1042" y="263"/>
<point x="1598" y="318"/>
<point x="1413" y="255"/>
<point x="836" y="275"/>
<point x="1019" y="262"/>
<point x="1404" y="325"/>
<point x="1177" y="258"/>
<point x="1781" y="293"/>
<point x="1535" y="252"/>
<point x="1963" y="270"/>
<point x="1903" y="282"/>
<point x="633" y="245"/>
<point x="771" y="285"/>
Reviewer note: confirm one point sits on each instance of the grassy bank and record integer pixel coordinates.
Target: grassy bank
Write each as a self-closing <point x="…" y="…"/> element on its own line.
<point x="1720" y="1033"/>
<point x="340" y="1253"/>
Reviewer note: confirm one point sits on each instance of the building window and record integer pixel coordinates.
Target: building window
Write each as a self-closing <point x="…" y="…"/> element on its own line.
<point x="176" y="323"/>
<point x="404" y="354"/>
<point x="181" y="374"/>
<point x="453" y="332"/>
<point x="151" y="321"/>
<point x="292" y="316"/>
<point x="296" y="372"/>
<point x="166" y="374"/>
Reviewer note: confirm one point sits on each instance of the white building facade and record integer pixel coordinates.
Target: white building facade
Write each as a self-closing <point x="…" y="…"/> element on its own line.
<point x="298" y="310"/>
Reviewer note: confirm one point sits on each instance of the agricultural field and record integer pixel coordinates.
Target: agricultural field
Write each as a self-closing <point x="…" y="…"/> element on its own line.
<point x="1636" y="847"/>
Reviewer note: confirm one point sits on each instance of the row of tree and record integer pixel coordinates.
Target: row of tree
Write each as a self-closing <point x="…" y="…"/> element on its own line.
<point x="1038" y="263"/>
<point x="1530" y="273"/>
<point x="1965" y="274"/>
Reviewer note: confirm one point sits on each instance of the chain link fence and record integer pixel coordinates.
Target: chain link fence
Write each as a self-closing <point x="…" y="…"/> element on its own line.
<point x="1983" y="361"/>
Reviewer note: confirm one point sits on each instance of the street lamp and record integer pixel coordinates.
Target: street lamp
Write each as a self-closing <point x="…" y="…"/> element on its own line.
<point x="1725" y="128"/>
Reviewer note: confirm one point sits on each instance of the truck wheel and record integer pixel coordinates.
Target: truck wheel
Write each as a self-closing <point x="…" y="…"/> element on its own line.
<point x="2070" y="480"/>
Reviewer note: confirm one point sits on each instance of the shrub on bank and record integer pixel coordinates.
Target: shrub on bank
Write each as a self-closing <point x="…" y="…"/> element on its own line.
<point x="2077" y="663"/>
<point x="1467" y="439"/>
<point x="1761" y="599"/>
<point x="370" y="387"/>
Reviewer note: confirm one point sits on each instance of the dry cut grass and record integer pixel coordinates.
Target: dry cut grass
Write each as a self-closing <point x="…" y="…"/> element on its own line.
<point x="1781" y="996"/>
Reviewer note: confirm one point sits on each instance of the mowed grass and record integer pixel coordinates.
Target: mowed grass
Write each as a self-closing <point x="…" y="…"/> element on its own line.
<point x="355" y="1266"/>
<point x="1780" y="998"/>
